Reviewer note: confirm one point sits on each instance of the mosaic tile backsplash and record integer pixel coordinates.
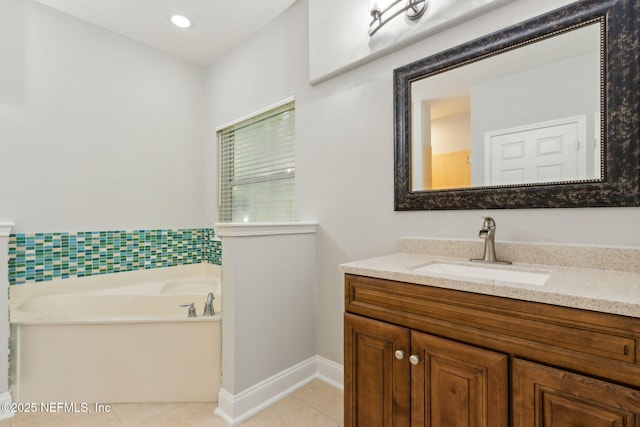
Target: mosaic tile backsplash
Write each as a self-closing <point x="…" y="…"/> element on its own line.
<point x="40" y="257"/>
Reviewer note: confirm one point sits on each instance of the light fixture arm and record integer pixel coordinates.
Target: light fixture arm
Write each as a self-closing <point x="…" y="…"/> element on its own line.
<point x="414" y="10"/>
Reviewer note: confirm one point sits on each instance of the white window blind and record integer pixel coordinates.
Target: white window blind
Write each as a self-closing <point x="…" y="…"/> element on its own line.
<point x="257" y="168"/>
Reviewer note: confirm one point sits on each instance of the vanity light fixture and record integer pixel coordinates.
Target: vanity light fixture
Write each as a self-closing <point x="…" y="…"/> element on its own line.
<point x="181" y="21"/>
<point x="414" y="9"/>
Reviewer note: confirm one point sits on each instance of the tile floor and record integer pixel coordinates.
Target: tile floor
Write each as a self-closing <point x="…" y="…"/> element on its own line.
<point x="315" y="405"/>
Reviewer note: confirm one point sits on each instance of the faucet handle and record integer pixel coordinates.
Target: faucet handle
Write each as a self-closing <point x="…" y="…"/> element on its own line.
<point x="192" y="309"/>
<point x="488" y="222"/>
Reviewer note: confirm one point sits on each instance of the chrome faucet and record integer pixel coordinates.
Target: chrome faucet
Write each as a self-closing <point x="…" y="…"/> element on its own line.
<point x="192" y="309"/>
<point x="208" y="306"/>
<point x="488" y="233"/>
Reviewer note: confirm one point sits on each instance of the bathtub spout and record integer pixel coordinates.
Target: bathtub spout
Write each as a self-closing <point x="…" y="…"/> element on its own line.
<point x="208" y="306"/>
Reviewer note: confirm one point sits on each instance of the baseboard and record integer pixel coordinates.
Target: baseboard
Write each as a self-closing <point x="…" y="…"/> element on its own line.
<point x="234" y="409"/>
<point x="330" y="372"/>
<point x="5" y="402"/>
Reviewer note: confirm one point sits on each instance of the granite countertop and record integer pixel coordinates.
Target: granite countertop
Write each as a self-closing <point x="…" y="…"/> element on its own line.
<point x="602" y="290"/>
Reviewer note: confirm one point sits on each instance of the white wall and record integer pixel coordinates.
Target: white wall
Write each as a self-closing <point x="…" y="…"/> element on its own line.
<point x="339" y="38"/>
<point x="96" y="131"/>
<point x="421" y="133"/>
<point x="344" y="173"/>
<point x="268" y="287"/>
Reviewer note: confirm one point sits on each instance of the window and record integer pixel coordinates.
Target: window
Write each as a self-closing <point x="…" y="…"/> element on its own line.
<point x="257" y="168"/>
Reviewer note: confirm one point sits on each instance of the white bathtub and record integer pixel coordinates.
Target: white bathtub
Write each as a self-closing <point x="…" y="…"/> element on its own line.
<point x="122" y="338"/>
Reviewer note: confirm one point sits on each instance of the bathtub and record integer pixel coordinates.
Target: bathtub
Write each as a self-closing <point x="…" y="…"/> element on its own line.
<point x="122" y="338"/>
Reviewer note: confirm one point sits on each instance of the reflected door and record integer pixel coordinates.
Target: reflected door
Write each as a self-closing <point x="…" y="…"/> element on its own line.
<point x="546" y="152"/>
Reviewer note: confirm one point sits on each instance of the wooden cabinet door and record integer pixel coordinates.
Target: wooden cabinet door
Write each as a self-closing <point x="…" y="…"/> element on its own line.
<point x="457" y="385"/>
<point x="376" y="383"/>
<point x="549" y="397"/>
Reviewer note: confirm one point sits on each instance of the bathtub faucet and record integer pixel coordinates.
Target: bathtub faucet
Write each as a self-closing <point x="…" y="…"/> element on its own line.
<point x="208" y="306"/>
<point x="192" y="309"/>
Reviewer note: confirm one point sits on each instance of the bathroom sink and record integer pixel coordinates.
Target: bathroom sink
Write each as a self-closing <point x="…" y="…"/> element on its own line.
<point x="464" y="271"/>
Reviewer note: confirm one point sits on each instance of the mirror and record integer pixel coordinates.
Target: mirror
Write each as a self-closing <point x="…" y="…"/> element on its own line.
<point x="524" y="117"/>
<point x="512" y="118"/>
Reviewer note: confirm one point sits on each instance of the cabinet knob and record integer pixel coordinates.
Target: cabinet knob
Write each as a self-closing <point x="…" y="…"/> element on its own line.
<point x="414" y="360"/>
<point x="399" y="354"/>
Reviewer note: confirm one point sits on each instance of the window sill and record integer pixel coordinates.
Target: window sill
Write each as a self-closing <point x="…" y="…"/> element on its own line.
<point x="5" y="228"/>
<point x="241" y="229"/>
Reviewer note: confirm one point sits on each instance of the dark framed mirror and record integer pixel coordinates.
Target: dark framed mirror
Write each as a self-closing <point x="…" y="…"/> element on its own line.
<point x="541" y="114"/>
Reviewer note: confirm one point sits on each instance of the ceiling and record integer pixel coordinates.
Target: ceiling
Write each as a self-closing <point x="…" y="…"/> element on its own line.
<point x="218" y="25"/>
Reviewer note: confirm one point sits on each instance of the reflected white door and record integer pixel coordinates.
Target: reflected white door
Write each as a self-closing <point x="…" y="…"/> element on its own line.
<point x="542" y="152"/>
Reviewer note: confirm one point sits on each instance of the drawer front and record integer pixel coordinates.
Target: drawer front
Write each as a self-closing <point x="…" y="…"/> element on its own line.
<point x="591" y="342"/>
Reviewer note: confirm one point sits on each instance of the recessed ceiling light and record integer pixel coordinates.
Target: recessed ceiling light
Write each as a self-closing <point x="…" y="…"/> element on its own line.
<point x="181" y="21"/>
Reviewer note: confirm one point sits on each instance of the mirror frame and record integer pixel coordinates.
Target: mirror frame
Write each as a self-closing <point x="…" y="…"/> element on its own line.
<point x="620" y="87"/>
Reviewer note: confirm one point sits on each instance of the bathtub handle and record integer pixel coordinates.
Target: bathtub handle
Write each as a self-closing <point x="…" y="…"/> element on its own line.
<point x="192" y="309"/>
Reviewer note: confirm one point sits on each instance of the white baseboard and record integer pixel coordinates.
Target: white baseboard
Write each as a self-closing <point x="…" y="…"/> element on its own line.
<point x="234" y="409"/>
<point x="330" y="372"/>
<point x="5" y="401"/>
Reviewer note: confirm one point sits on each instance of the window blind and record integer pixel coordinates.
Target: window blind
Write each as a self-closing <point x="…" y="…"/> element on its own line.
<point x="257" y="168"/>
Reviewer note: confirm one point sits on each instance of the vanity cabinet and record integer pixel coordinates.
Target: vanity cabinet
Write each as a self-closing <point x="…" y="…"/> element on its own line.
<point x="400" y="377"/>
<point x="418" y="355"/>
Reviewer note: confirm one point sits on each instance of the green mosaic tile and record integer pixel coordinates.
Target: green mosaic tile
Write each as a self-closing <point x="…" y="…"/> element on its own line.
<point x="46" y="256"/>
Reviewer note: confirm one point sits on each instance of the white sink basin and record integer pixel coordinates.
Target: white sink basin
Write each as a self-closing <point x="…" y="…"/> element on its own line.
<point x="460" y="271"/>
